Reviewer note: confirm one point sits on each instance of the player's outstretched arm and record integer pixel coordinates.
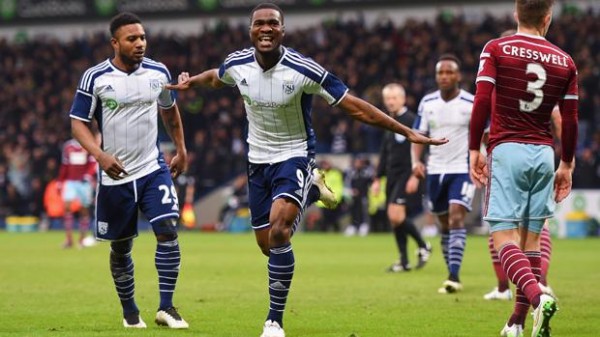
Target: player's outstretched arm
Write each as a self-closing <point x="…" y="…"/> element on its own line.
<point x="369" y="114"/>
<point x="208" y="78"/>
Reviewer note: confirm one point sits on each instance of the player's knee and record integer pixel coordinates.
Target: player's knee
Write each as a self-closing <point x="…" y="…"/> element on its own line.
<point x="121" y="248"/>
<point x="396" y="220"/>
<point x="165" y="230"/>
<point x="456" y="221"/>
<point x="280" y="234"/>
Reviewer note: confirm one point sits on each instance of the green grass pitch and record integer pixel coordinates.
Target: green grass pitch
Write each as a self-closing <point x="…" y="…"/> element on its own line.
<point x="340" y="289"/>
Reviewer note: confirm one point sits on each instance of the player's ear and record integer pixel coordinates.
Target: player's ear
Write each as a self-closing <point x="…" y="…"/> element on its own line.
<point x="282" y="30"/>
<point x="516" y="17"/>
<point x="548" y="19"/>
<point x="114" y="42"/>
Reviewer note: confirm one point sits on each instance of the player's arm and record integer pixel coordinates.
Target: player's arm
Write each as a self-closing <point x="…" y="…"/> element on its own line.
<point x="421" y="125"/>
<point x="556" y="122"/>
<point x="381" y="166"/>
<point x="172" y="121"/>
<point x="109" y="164"/>
<point x="62" y="172"/>
<point x="369" y="114"/>
<point x="209" y="78"/>
<point x="480" y="116"/>
<point x="481" y="113"/>
<point x="568" y="112"/>
<point x="416" y="153"/>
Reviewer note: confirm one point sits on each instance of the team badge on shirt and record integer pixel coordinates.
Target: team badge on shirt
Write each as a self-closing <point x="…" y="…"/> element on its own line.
<point x="102" y="227"/>
<point x="155" y="84"/>
<point x="288" y="87"/>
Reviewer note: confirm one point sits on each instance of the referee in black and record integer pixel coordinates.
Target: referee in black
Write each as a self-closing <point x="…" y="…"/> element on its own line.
<point x="395" y="164"/>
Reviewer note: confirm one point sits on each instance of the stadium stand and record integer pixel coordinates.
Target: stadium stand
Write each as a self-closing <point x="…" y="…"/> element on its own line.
<point x="40" y="76"/>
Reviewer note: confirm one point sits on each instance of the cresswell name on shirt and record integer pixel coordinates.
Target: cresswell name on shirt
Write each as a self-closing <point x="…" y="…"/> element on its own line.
<point x="535" y="55"/>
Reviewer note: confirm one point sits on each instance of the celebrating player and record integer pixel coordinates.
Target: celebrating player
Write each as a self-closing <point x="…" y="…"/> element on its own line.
<point x="277" y="84"/>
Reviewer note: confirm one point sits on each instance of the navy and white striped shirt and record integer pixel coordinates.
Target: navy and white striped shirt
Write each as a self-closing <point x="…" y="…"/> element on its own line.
<point x="125" y="106"/>
<point x="278" y="102"/>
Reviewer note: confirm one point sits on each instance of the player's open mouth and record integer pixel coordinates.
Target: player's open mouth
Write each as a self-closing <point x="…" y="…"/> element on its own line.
<point x="265" y="42"/>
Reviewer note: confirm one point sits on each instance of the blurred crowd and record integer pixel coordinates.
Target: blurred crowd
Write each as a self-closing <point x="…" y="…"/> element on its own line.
<point x="40" y="76"/>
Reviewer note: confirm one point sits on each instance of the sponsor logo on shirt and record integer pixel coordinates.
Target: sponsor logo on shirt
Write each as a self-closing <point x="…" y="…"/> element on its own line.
<point x="111" y="104"/>
<point x="262" y="104"/>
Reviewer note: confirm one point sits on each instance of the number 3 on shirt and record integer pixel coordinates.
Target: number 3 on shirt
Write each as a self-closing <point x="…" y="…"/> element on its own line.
<point x="534" y="87"/>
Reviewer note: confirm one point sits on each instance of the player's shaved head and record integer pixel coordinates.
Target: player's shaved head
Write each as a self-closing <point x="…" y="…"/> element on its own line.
<point x="123" y="19"/>
<point x="531" y="13"/>
<point x="266" y="5"/>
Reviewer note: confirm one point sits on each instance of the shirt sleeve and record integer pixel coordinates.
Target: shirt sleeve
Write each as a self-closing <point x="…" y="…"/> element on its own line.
<point x="487" y="64"/>
<point x="482" y="106"/>
<point x="84" y="102"/>
<point x="569" y="112"/>
<point x="225" y="75"/>
<point x="167" y="98"/>
<point x="331" y="88"/>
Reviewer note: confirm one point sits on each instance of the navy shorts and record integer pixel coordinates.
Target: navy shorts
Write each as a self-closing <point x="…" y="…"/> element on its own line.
<point x="290" y="179"/>
<point x="446" y="189"/>
<point x="117" y="206"/>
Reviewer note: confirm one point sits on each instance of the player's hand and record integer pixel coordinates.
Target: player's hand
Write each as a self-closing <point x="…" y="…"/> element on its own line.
<point x="375" y="187"/>
<point x="418" y="138"/>
<point x="113" y="167"/>
<point x="418" y="170"/>
<point x="563" y="179"/>
<point x="412" y="185"/>
<point x="178" y="164"/>
<point x="183" y="82"/>
<point x="478" y="169"/>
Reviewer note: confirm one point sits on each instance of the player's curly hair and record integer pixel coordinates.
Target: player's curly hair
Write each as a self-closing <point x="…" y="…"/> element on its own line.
<point x="122" y="19"/>
<point x="268" y="5"/>
<point x="531" y="13"/>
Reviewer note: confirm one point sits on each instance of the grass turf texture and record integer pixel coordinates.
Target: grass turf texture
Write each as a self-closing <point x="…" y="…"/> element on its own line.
<point x="340" y="289"/>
